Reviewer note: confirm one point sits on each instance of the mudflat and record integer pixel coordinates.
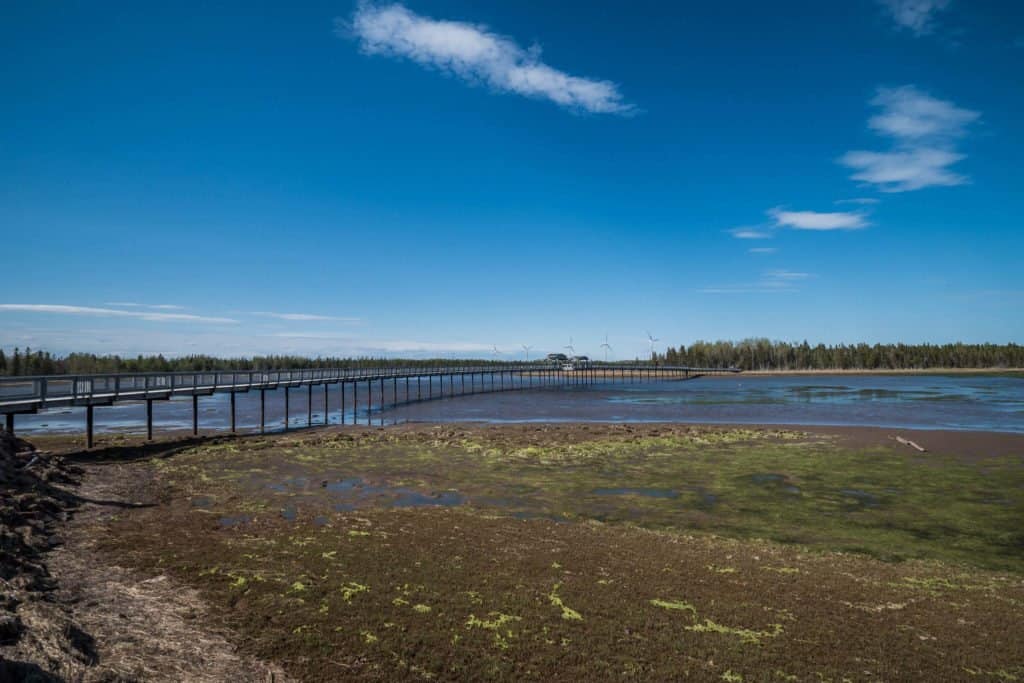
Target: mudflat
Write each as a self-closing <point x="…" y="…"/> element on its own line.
<point x="568" y="551"/>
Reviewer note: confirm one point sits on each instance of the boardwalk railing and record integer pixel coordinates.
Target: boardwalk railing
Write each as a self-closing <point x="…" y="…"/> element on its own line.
<point x="19" y="395"/>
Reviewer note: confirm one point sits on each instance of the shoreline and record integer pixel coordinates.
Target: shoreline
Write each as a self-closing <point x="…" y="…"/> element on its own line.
<point x="941" y="441"/>
<point x="881" y="371"/>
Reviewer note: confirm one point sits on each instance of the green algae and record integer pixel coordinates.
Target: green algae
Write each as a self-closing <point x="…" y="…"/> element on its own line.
<point x="351" y="589"/>
<point x="744" y="634"/>
<point x="675" y="604"/>
<point x="568" y="613"/>
<point x="910" y="507"/>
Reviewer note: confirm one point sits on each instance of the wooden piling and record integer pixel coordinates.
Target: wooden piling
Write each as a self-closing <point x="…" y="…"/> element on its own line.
<point x="88" y="426"/>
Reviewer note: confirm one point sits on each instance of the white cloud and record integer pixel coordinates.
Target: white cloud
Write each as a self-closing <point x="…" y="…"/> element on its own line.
<point x="907" y="170"/>
<point x="917" y="16"/>
<point x="302" y="316"/>
<point x="908" y="114"/>
<point x="161" y="307"/>
<point x="816" y="220"/>
<point x="750" y="233"/>
<point x="477" y="55"/>
<point x="924" y="130"/>
<point x="61" y="309"/>
<point x="858" y="200"/>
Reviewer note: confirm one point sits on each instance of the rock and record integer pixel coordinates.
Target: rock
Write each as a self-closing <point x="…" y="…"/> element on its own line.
<point x="11" y="628"/>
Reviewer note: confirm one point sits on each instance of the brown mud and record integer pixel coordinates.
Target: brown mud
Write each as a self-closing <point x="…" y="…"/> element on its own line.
<point x="477" y="553"/>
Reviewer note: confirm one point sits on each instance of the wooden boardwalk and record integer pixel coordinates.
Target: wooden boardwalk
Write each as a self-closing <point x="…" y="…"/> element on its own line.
<point x="21" y="395"/>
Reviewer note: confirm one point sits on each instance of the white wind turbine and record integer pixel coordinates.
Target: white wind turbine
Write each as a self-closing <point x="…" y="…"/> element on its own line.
<point x="652" y="340"/>
<point x="527" y="348"/>
<point x="607" y="347"/>
<point x="572" y="349"/>
<point x="496" y="351"/>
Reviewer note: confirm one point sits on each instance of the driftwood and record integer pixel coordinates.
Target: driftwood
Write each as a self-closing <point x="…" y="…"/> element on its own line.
<point x="908" y="442"/>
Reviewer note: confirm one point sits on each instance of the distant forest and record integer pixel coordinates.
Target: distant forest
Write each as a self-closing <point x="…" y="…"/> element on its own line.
<point x="749" y="354"/>
<point x="762" y="354"/>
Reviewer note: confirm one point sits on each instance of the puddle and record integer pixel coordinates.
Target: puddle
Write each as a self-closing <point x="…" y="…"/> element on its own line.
<point x="649" y="493"/>
<point x="234" y="520"/>
<point x="780" y="481"/>
<point x="707" y="500"/>
<point x="344" y="485"/>
<point x="357" y="492"/>
<point x="202" y="502"/>
<point x="290" y="513"/>
<point x="868" y="500"/>
<point x="320" y="520"/>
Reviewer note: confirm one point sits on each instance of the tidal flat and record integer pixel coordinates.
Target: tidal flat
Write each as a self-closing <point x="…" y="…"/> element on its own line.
<point x="570" y="551"/>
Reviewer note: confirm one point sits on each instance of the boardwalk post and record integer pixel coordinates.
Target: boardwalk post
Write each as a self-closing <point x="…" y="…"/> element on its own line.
<point x="263" y="410"/>
<point x="88" y="426"/>
<point x="233" y="394"/>
<point x="287" y="406"/>
<point x="419" y="389"/>
<point x="309" y="407"/>
<point x="325" y="403"/>
<point x="369" y="402"/>
<point x="195" y="414"/>
<point x="394" y="390"/>
<point x="407" y="388"/>
<point x="149" y="419"/>
<point x="355" y="402"/>
<point x="9" y="420"/>
<point x="343" y="402"/>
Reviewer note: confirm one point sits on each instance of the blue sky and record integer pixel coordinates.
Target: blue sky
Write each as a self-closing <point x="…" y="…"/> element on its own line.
<point x="440" y="177"/>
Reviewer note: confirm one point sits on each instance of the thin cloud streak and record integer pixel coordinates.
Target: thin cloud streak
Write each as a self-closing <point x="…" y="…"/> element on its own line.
<point x="816" y="220"/>
<point x="162" y="307"/>
<point x="750" y="234"/>
<point x="477" y="55"/>
<point x="778" y="281"/>
<point x="303" y="316"/>
<point x="61" y="309"/>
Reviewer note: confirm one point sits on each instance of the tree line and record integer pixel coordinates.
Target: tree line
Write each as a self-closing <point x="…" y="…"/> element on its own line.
<point x="749" y="354"/>
<point x="764" y="354"/>
<point x="28" y="362"/>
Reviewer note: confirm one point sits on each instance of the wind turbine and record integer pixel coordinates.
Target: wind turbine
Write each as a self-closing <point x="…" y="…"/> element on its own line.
<point x="496" y="351"/>
<point x="607" y="347"/>
<point x="652" y="340"/>
<point x="527" y="349"/>
<point x="569" y="346"/>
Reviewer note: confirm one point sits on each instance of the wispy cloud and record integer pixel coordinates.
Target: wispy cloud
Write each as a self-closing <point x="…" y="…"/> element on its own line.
<point x="924" y="130"/>
<point x="866" y="201"/>
<point x="917" y="16"/>
<point x="303" y="316"/>
<point x="818" y="220"/>
<point x="477" y="55"/>
<point x="762" y="250"/>
<point x="61" y="309"/>
<point x="907" y="114"/>
<point x="160" y="307"/>
<point x="771" y="282"/>
<point x="750" y="233"/>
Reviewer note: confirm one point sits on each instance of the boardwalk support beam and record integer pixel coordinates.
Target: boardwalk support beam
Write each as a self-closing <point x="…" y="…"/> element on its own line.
<point x="88" y="426"/>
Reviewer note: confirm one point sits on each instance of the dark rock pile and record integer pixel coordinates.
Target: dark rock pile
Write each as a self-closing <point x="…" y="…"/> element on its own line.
<point x="32" y="502"/>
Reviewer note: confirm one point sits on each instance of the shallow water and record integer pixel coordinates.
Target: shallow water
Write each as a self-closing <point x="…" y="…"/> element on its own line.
<point x="958" y="402"/>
